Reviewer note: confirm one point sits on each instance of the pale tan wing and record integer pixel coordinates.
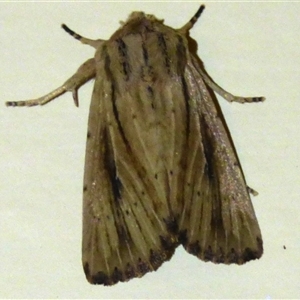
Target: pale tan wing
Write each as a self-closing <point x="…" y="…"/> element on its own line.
<point x="132" y="170"/>
<point x="218" y="222"/>
<point x="124" y="214"/>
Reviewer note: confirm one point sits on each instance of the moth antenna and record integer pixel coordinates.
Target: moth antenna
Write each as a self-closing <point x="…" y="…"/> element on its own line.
<point x="192" y="21"/>
<point x="83" y="40"/>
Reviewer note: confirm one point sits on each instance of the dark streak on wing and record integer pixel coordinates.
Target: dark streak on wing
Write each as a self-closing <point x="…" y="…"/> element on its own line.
<point x="150" y="90"/>
<point x="145" y="54"/>
<point x="187" y="105"/>
<point x="181" y="55"/>
<point x="124" y="58"/>
<point x="116" y="113"/>
<point x="113" y="97"/>
<point x="116" y="184"/>
<point x="110" y="166"/>
<point x="163" y="45"/>
<point x="208" y="150"/>
<point x="147" y="70"/>
<point x="181" y="64"/>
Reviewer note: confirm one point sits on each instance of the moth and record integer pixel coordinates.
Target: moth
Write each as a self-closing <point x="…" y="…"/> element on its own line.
<point x="160" y="169"/>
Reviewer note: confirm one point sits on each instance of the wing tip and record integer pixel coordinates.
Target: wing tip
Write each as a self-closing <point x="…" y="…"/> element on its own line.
<point x="116" y="276"/>
<point x="156" y="259"/>
<point x="230" y="257"/>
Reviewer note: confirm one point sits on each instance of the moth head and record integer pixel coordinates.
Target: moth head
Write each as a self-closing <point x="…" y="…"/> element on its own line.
<point x="137" y="16"/>
<point x="137" y="22"/>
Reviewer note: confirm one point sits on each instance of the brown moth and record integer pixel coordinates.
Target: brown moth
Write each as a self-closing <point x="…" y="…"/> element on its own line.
<point x="160" y="169"/>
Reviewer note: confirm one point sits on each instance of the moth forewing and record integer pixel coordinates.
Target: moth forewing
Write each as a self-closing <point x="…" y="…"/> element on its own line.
<point x="159" y="169"/>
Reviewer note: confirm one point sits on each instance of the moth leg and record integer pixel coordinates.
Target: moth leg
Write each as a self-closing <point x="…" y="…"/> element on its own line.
<point x="227" y="96"/>
<point x="252" y="191"/>
<point x="83" y="40"/>
<point x="85" y="72"/>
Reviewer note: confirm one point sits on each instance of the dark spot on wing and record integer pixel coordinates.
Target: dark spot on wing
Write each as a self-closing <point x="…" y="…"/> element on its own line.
<point x="100" y="278"/>
<point x="150" y="91"/>
<point x="130" y="271"/>
<point x="156" y="258"/>
<point x="116" y="275"/>
<point x="194" y="248"/>
<point x="168" y="243"/>
<point x="183" y="237"/>
<point x="232" y="256"/>
<point x="171" y="225"/>
<point x="143" y="266"/>
<point x="208" y="254"/>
